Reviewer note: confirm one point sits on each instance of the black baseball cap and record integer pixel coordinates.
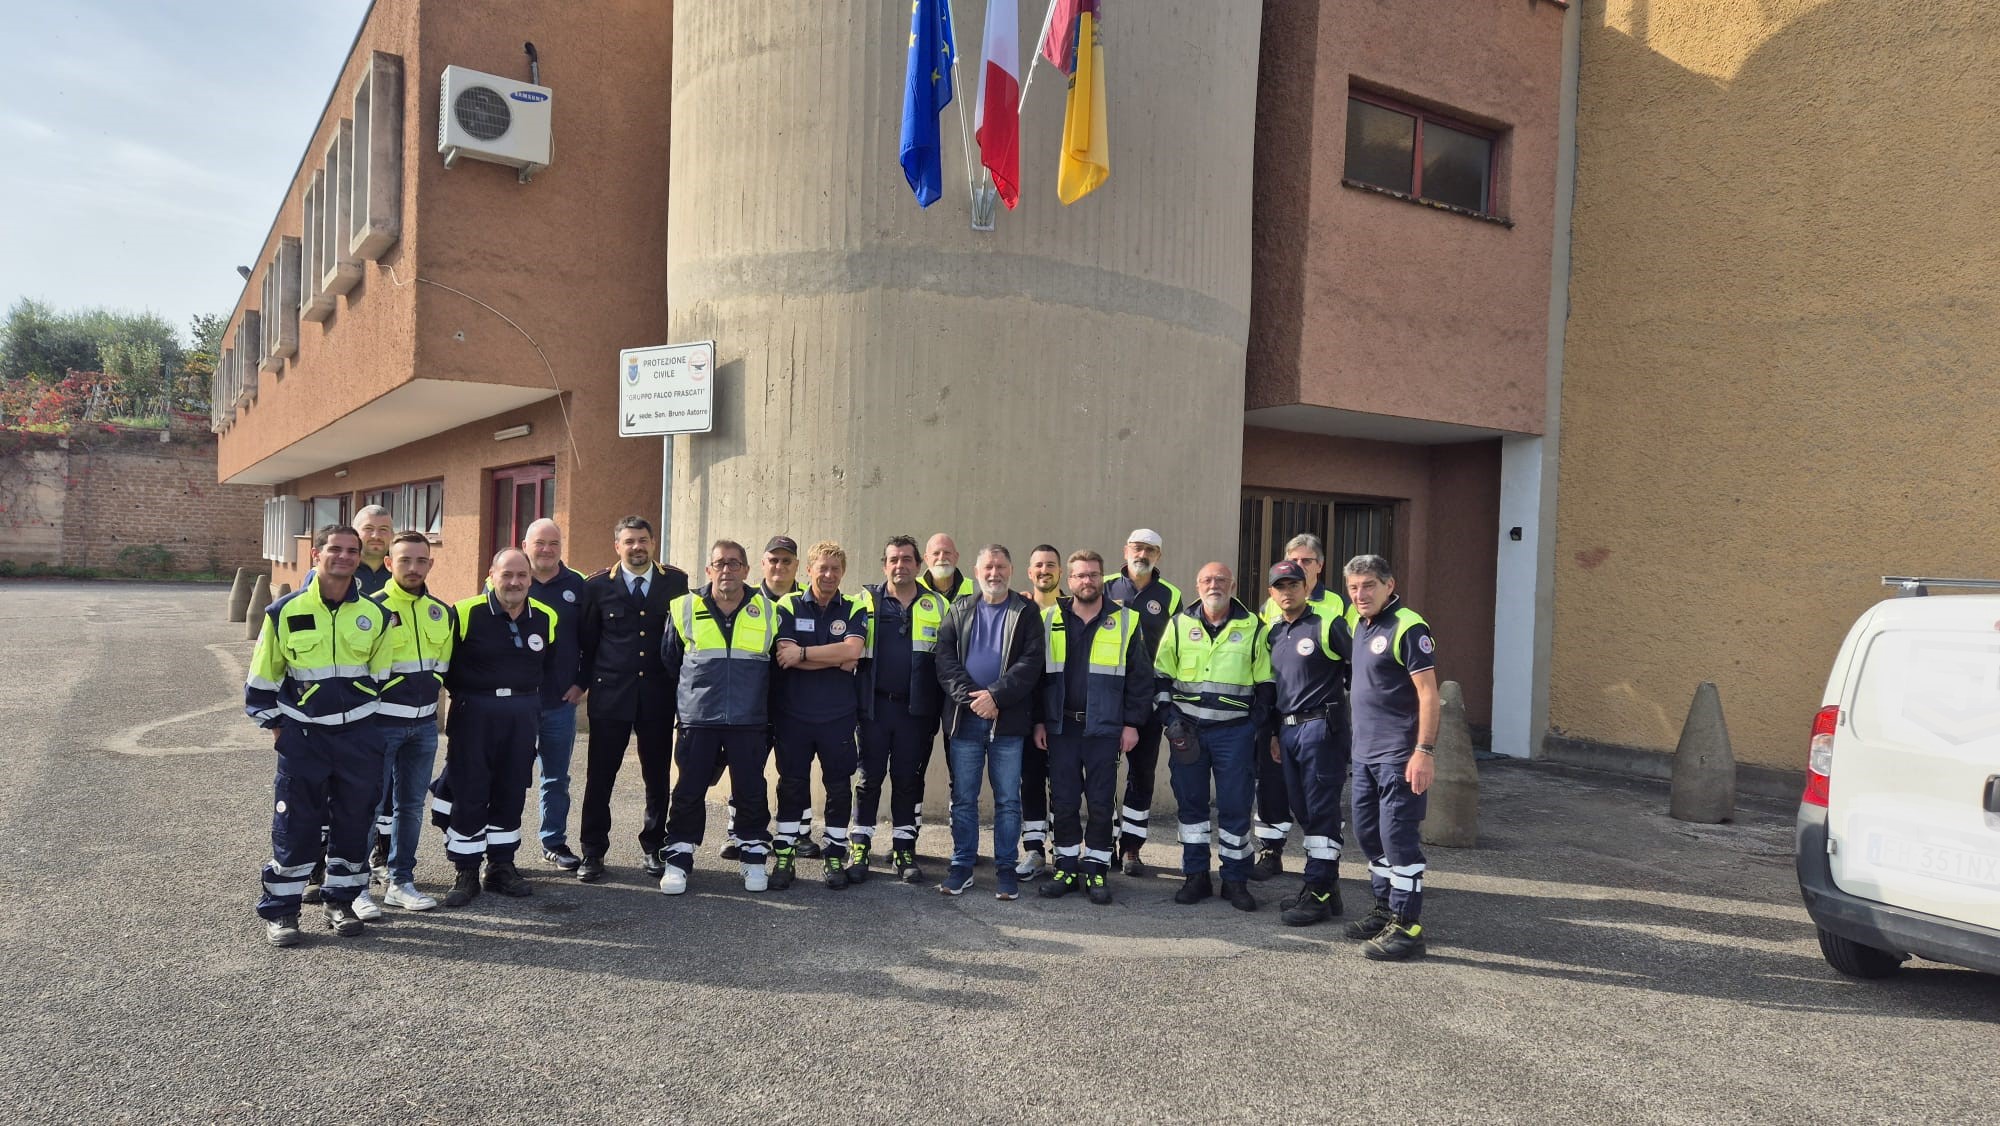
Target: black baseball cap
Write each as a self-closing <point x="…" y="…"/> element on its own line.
<point x="782" y="543"/>
<point x="1287" y="571"/>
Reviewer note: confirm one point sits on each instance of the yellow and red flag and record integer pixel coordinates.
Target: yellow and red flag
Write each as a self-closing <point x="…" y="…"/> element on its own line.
<point x="1086" y="143"/>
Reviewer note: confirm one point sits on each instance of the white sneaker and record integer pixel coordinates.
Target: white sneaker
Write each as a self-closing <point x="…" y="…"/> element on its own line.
<point x="366" y="909"/>
<point x="673" y="881"/>
<point x="1030" y="864"/>
<point x="755" y="878"/>
<point x="406" y="896"/>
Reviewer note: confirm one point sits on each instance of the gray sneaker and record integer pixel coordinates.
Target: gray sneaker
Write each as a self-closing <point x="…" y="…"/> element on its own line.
<point x="1032" y="862"/>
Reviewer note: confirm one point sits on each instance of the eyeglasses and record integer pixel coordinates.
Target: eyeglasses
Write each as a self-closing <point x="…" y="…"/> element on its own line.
<point x="727" y="565"/>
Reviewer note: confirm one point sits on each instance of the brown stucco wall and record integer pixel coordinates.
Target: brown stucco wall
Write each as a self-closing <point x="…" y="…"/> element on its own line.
<point x="1778" y="379"/>
<point x="1369" y="303"/>
<point x="1446" y="529"/>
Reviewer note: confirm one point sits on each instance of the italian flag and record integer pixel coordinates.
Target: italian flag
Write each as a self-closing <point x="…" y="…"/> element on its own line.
<point x="997" y="114"/>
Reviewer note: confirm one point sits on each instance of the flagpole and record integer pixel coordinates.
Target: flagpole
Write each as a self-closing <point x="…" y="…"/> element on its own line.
<point x="958" y="96"/>
<point x="1035" y="55"/>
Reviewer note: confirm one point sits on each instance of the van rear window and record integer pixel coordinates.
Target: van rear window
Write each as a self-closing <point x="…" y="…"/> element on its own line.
<point x="1930" y="690"/>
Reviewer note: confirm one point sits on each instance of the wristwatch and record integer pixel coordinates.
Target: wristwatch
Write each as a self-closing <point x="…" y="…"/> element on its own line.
<point x="1427" y="748"/>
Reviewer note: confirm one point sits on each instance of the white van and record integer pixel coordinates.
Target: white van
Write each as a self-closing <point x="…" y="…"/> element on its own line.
<point x="1899" y="828"/>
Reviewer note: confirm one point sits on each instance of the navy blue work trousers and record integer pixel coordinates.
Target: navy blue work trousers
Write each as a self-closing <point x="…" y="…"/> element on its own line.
<point x="327" y="776"/>
<point x="1387" y="818"/>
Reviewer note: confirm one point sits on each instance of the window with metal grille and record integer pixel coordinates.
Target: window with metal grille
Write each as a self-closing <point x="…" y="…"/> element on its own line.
<point x="1348" y="527"/>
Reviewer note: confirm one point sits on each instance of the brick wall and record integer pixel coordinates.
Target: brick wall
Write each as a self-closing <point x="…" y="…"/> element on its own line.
<point x="128" y="489"/>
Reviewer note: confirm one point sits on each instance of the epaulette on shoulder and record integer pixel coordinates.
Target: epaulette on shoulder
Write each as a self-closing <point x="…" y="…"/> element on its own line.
<point x="671" y="567"/>
<point x="597" y="574"/>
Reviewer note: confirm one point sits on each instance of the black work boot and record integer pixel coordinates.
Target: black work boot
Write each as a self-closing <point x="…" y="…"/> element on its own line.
<point x="857" y="861"/>
<point x="506" y="879"/>
<point x="1310" y="906"/>
<point x="808" y="848"/>
<point x="341" y="919"/>
<point x="1237" y="892"/>
<point x="1061" y="882"/>
<point x="784" y="867"/>
<point x="1270" y="862"/>
<point x="590" y="870"/>
<point x="1100" y="892"/>
<point x="314" y="882"/>
<point x="464" y="889"/>
<point x="282" y="931"/>
<point x="907" y="868"/>
<point x="836" y="869"/>
<point x="1371" y="924"/>
<point x="1398" y="940"/>
<point x="1194" y="889"/>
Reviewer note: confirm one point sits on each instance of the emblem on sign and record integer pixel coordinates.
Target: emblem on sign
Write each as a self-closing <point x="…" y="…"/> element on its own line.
<point x="1305" y="646"/>
<point x="1426" y="644"/>
<point x="1379" y="645"/>
<point x="363" y="624"/>
<point x="632" y="373"/>
<point x="535" y="642"/>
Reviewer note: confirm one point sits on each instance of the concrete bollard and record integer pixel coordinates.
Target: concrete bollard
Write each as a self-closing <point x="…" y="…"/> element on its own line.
<point x="1451" y="818"/>
<point x="239" y="594"/>
<point x="260" y="597"/>
<point x="1704" y="786"/>
<point x="281" y="590"/>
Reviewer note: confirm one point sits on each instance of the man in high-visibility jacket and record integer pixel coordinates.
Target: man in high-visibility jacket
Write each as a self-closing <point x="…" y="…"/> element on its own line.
<point x="1214" y="693"/>
<point x="900" y="704"/>
<point x="721" y="638"/>
<point x="1097" y="691"/>
<point x="420" y="634"/>
<point x="315" y="681"/>
<point x="1275" y="809"/>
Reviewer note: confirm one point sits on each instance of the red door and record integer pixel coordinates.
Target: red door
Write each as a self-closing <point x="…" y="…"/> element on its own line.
<point x="522" y="495"/>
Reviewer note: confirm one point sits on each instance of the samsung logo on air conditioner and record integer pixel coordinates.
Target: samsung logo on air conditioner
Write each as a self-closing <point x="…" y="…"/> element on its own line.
<point x="528" y="96"/>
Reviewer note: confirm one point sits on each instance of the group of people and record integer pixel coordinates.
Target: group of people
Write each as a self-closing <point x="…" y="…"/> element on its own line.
<point x="1042" y="693"/>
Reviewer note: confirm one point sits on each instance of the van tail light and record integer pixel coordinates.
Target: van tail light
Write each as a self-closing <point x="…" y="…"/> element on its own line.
<point x="1819" y="760"/>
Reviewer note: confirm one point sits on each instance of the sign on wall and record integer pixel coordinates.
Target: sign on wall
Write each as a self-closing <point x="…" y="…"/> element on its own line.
<point x="669" y="389"/>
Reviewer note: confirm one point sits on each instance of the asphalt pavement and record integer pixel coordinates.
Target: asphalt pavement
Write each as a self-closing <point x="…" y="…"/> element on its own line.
<point x="1591" y="960"/>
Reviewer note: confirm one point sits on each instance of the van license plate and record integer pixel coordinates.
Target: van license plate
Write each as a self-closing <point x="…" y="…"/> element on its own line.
<point x="1938" y="861"/>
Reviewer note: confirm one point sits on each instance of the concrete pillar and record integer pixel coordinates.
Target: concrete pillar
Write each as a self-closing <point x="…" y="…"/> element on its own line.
<point x="239" y="594"/>
<point x="281" y="590"/>
<point x="884" y="369"/>
<point x="260" y="597"/>
<point x="1704" y="785"/>
<point x="1451" y="817"/>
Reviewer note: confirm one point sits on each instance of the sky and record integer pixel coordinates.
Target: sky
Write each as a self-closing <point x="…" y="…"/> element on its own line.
<point x="145" y="146"/>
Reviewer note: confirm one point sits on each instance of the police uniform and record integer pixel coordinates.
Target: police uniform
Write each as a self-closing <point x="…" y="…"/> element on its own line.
<point x="901" y="703"/>
<point x="816" y="714"/>
<point x="723" y="662"/>
<point x="1098" y="680"/>
<point x="1388" y="649"/>
<point x="1308" y="665"/>
<point x="499" y="665"/>
<point x="1215" y="680"/>
<point x="566" y="594"/>
<point x="1158" y="602"/>
<point x="420" y="634"/>
<point x="1275" y="809"/>
<point x="315" y="677"/>
<point x="631" y="695"/>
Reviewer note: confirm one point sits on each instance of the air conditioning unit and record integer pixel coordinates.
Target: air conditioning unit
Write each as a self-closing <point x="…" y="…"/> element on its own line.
<point x="487" y="117"/>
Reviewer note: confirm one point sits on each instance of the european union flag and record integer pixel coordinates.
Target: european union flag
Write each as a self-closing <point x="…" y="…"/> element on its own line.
<point x="926" y="91"/>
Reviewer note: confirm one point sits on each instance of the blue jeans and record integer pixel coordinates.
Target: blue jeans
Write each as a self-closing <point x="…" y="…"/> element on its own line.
<point x="553" y="747"/>
<point x="409" y="754"/>
<point x="1225" y="753"/>
<point x="973" y="753"/>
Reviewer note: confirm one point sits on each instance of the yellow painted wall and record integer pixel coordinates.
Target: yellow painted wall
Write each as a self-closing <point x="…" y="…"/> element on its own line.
<point x="1780" y="377"/>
